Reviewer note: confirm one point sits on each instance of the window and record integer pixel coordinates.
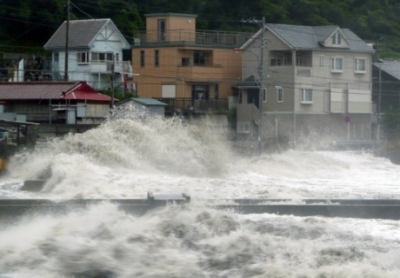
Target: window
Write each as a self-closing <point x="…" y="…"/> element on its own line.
<point x="199" y="58"/>
<point x="56" y="57"/>
<point x="279" y="93"/>
<point x="264" y="95"/>
<point x="337" y="39"/>
<point x="306" y="96"/>
<point x="337" y="64"/>
<point x="185" y="62"/>
<point x="102" y="56"/>
<point x="321" y="61"/>
<point x="359" y="65"/>
<point x="156" y="58"/>
<point x="142" y="61"/>
<point x="299" y="61"/>
<point x="200" y="92"/>
<point x="276" y="62"/>
<point x="82" y="57"/>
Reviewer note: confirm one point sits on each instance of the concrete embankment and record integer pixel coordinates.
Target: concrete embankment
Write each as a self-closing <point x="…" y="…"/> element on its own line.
<point x="367" y="209"/>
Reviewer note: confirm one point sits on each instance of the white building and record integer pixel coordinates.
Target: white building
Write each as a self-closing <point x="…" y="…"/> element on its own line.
<point x="93" y="46"/>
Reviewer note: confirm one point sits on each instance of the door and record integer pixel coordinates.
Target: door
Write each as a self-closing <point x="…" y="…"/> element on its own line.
<point x="161" y="30"/>
<point x="253" y="97"/>
<point x="71" y="119"/>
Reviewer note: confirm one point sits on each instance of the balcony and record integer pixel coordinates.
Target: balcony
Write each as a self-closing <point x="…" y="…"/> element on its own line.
<point x="96" y="67"/>
<point x="190" y="38"/>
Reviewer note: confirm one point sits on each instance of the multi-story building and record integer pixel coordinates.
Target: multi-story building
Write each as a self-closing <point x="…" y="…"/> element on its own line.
<point x="316" y="85"/>
<point x="95" y="50"/>
<point x="189" y="69"/>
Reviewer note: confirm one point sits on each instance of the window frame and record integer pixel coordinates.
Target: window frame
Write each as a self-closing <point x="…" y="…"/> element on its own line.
<point x="299" y="61"/>
<point x="275" y="62"/>
<point x="142" y="58"/>
<point x="56" y="57"/>
<point x="279" y="93"/>
<point x="304" y="98"/>
<point x="337" y="39"/>
<point x="334" y="64"/>
<point x="357" y="64"/>
<point x="82" y="58"/>
<point x="199" y="58"/>
<point x="321" y="61"/>
<point x="156" y="58"/>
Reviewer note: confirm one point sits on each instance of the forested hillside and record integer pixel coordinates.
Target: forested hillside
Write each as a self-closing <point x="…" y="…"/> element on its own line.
<point x="26" y="25"/>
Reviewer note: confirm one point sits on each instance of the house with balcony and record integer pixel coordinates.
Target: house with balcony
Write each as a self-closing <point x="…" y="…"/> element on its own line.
<point x="95" y="53"/>
<point x="191" y="70"/>
<point x="316" y="86"/>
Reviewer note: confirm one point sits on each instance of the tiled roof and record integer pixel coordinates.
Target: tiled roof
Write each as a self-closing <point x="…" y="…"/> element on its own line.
<point x="49" y="90"/>
<point x="80" y="33"/>
<point x="34" y="90"/>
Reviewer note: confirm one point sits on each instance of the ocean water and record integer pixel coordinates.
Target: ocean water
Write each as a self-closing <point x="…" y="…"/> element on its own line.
<point x="127" y="157"/>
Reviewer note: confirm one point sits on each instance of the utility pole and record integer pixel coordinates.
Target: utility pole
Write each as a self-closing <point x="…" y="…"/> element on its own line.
<point x="66" y="41"/>
<point x="261" y="89"/>
<point x="262" y="80"/>
<point x="378" y="130"/>
<point x="112" y="80"/>
<point x="379" y="104"/>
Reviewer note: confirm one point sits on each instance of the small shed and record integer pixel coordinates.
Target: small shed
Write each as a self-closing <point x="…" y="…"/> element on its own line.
<point x="145" y="106"/>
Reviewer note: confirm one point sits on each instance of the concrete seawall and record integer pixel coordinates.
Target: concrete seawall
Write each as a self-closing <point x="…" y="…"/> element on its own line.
<point x="367" y="209"/>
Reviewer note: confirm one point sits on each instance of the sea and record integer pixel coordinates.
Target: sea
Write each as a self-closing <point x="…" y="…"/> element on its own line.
<point x="128" y="157"/>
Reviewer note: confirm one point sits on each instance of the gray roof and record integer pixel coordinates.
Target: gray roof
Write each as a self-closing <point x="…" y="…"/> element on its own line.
<point x="311" y="37"/>
<point x="81" y="33"/>
<point x="144" y="101"/>
<point x="390" y="67"/>
<point x="248" y="82"/>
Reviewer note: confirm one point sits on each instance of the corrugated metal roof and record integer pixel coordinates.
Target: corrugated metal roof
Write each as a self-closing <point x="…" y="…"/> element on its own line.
<point x="148" y="101"/>
<point x="80" y="33"/>
<point x="49" y="90"/>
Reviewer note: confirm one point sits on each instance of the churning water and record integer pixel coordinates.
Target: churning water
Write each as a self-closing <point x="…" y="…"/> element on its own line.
<point x="125" y="158"/>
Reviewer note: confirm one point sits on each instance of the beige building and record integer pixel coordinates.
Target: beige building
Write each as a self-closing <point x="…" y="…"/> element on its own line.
<point x="317" y="85"/>
<point x="190" y="70"/>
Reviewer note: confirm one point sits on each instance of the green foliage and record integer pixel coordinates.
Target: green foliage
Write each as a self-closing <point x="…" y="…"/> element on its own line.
<point x="391" y="122"/>
<point x="32" y="22"/>
<point x="119" y="93"/>
<point x="232" y="115"/>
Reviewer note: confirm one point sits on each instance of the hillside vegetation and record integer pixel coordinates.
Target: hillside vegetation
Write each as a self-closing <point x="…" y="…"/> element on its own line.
<point x="28" y="24"/>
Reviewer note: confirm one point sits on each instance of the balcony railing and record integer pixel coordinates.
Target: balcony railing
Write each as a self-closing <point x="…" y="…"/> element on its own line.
<point x="199" y="106"/>
<point x="96" y="66"/>
<point x="219" y="38"/>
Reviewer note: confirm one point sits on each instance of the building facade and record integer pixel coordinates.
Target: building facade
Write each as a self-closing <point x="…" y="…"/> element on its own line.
<point x="189" y="69"/>
<point x="95" y="52"/>
<point x="317" y="85"/>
